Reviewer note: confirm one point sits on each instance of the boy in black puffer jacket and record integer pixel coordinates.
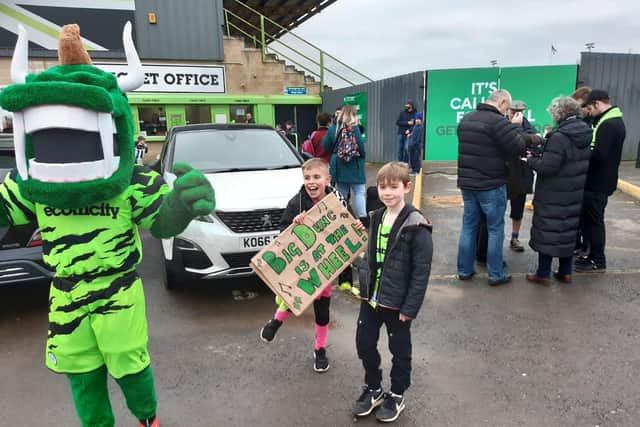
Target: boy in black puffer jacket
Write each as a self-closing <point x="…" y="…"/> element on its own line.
<point x="393" y="282"/>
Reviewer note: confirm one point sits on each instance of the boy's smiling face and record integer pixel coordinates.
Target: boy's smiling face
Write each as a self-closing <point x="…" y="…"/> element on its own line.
<point x="392" y="192"/>
<point x="316" y="180"/>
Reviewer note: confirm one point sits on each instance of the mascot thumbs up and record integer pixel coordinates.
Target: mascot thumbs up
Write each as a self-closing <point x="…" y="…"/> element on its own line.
<point x="76" y="177"/>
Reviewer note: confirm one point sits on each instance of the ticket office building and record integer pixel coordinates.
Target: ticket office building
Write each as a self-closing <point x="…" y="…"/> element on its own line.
<point x="156" y="113"/>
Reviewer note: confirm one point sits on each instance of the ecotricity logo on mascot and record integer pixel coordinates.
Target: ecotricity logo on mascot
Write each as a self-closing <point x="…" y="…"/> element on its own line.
<point x="76" y="177"/>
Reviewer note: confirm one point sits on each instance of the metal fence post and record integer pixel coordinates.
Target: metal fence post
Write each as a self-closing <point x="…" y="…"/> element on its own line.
<point x="263" y="45"/>
<point x="321" y="71"/>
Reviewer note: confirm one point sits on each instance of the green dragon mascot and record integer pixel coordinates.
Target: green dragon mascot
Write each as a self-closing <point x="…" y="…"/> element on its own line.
<point x="76" y="177"/>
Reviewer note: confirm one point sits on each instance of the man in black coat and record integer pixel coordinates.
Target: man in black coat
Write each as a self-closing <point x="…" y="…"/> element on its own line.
<point x="520" y="184"/>
<point x="405" y="122"/>
<point x="602" y="179"/>
<point x="487" y="139"/>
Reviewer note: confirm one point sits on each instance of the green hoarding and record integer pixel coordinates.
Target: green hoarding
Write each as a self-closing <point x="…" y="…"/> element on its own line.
<point x="453" y="93"/>
<point x="360" y="101"/>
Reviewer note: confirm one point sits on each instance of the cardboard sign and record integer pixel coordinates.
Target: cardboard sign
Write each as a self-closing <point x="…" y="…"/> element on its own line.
<point x="305" y="258"/>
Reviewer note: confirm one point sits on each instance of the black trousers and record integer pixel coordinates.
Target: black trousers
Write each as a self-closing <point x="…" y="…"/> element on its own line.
<point x="593" y="225"/>
<point x="370" y="321"/>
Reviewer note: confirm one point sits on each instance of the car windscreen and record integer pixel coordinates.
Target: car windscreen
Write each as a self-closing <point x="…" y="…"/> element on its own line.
<point x="213" y="150"/>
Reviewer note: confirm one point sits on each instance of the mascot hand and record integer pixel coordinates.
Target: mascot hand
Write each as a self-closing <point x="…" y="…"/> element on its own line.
<point x="193" y="190"/>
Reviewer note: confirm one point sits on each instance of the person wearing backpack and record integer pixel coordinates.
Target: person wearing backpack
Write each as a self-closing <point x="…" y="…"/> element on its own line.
<point x="344" y="141"/>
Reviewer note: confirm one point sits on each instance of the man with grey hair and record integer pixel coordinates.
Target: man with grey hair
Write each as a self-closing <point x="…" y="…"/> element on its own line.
<point x="487" y="140"/>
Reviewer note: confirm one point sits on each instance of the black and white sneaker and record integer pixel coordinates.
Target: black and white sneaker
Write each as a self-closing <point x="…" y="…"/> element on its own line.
<point x="582" y="259"/>
<point x="268" y="332"/>
<point x="367" y="402"/>
<point x="320" y="360"/>
<point x="391" y="408"/>
<point x="589" y="266"/>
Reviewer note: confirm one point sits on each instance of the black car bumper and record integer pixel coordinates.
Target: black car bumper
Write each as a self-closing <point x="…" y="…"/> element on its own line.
<point x="22" y="265"/>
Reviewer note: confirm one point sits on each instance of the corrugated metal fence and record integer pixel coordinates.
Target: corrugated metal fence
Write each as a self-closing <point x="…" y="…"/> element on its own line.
<point x="385" y="100"/>
<point x="619" y="74"/>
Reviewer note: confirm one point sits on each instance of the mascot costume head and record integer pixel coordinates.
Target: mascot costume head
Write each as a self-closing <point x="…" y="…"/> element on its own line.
<point x="76" y="178"/>
<point x="73" y="128"/>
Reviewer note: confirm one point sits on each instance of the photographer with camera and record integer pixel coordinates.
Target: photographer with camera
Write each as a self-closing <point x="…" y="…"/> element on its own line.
<point x="141" y="149"/>
<point x="520" y="180"/>
<point x="561" y="174"/>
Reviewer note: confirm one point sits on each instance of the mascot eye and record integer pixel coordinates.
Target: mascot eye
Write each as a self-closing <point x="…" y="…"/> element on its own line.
<point x="80" y="146"/>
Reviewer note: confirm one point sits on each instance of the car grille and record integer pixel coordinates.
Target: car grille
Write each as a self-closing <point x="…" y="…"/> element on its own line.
<point x="252" y="221"/>
<point x="238" y="259"/>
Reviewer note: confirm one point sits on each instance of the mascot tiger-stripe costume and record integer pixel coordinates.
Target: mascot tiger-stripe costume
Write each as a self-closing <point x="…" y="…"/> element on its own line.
<point x="76" y="178"/>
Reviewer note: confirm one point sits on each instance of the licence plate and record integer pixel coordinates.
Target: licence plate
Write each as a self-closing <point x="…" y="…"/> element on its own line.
<point x="254" y="242"/>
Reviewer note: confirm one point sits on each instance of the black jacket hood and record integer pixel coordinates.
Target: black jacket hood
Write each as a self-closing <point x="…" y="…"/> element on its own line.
<point x="578" y="132"/>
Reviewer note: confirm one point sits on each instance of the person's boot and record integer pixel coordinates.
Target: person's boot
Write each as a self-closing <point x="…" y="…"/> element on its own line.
<point x="564" y="278"/>
<point x="534" y="278"/>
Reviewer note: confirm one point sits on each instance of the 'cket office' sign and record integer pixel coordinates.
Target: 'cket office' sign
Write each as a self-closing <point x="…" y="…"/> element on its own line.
<point x="169" y="78"/>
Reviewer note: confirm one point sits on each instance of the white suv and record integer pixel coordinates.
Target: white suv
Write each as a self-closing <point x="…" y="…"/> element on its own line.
<point x="254" y="171"/>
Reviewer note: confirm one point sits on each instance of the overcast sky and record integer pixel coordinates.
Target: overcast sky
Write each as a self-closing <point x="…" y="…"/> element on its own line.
<point x="384" y="38"/>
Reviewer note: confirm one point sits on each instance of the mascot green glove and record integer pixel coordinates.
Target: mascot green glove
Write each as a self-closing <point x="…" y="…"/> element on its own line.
<point x="76" y="177"/>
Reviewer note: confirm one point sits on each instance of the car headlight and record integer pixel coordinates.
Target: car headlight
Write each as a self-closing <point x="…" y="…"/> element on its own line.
<point x="205" y="218"/>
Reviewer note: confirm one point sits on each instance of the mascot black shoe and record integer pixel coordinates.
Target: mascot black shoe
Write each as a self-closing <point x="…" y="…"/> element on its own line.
<point x="76" y="178"/>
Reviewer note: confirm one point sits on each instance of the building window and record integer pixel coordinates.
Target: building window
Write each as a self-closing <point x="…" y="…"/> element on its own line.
<point x="153" y="120"/>
<point x="198" y="114"/>
<point x="238" y="113"/>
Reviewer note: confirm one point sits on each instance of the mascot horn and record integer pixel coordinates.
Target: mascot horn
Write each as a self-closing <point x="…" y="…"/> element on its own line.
<point x="76" y="178"/>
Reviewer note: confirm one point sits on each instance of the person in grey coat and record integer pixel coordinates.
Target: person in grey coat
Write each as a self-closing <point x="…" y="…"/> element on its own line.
<point x="561" y="174"/>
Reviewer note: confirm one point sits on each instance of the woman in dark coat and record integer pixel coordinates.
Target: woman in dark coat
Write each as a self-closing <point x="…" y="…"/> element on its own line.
<point x="561" y="174"/>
